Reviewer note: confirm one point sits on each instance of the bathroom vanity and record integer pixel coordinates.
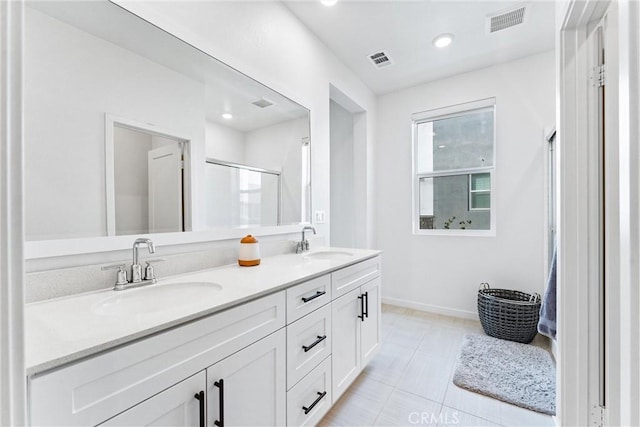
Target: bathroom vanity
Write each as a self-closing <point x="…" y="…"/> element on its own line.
<point x="276" y="344"/>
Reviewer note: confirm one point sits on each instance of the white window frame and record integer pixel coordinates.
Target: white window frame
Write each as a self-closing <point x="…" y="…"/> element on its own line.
<point x="439" y="114"/>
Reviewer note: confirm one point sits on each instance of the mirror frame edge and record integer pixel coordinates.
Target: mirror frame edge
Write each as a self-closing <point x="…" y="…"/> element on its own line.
<point x="37" y="249"/>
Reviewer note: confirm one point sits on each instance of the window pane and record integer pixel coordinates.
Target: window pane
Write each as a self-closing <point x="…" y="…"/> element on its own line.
<point x="444" y="204"/>
<point x="463" y="142"/>
<point x="480" y="182"/>
<point x="480" y="200"/>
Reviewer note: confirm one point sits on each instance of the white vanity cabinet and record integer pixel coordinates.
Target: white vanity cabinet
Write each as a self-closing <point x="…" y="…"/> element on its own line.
<point x="281" y="359"/>
<point x="248" y="387"/>
<point x="93" y="390"/>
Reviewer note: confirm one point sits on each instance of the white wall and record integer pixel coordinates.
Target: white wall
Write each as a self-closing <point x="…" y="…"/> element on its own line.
<point x="442" y="273"/>
<point x="342" y="177"/>
<point x="224" y="143"/>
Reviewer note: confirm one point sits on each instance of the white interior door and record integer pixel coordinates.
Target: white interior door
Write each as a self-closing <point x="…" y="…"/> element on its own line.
<point x="165" y="189"/>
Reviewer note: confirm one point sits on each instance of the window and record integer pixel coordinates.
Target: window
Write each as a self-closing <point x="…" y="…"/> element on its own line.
<point x="453" y="168"/>
<point x="479" y="192"/>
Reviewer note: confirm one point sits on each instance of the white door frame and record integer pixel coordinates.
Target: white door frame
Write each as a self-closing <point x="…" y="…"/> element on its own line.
<point x="577" y="237"/>
<point x="578" y="231"/>
<point x="627" y="359"/>
<point x="12" y="370"/>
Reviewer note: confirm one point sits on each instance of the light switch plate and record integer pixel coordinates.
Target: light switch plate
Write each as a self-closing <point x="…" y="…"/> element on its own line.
<point x="320" y="217"/>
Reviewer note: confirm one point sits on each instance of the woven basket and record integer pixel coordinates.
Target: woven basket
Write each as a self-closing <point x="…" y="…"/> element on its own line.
<point x="508" y="315"/>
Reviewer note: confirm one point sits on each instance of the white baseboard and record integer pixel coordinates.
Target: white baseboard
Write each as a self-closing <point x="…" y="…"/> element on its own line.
<point x="453" y="312"/>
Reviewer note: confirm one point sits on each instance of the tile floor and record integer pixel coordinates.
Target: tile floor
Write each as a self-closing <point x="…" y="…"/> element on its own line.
<point x="409" y="382"/>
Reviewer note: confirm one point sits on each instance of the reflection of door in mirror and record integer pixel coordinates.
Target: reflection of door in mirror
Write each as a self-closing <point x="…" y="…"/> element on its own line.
<point x="165" y="189"/>
<point x="148" y="181"/>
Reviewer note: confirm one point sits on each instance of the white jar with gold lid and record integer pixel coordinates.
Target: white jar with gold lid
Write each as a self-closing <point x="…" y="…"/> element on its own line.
<point x="249" y="255"/>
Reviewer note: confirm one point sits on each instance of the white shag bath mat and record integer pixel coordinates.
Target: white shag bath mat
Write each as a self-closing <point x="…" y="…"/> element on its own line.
<point x="521" y="374"/>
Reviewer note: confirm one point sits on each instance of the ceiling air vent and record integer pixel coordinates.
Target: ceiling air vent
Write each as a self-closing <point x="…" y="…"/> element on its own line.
<point x="506" y="19"/>
<point x="380" y="59"/>
<point x="262" y="103"/>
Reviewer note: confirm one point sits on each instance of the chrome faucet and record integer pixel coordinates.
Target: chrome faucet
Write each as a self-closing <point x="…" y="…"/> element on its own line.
<point x="303" y="245"/>
<point x="136" y="268"/>
<point x="123" y="282"/>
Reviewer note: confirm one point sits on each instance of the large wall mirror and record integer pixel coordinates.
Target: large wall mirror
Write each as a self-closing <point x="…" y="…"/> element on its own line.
<point x="129" y="130"/>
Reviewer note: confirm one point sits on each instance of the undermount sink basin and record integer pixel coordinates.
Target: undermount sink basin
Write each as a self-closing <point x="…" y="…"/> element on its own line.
<point x="155" y="298"/>
<point x="329" y="255"/>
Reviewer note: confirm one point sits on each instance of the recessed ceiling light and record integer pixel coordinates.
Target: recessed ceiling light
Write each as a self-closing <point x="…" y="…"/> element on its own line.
<point x="328" y="2"/>
<point x="441" y="146"/>
<point x="443" y="40"/>
<point x="227" y="116"/>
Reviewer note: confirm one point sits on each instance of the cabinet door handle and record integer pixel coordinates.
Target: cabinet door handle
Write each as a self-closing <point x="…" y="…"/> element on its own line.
<point x="315" y="343"/>
<point x="315" y="402"/>
<point x="312" y="297"/>
<point x="366" y="297"/>
<point x="361" y="316"/>
<point x="220" y="385"/>
<point x="200" y="397"/>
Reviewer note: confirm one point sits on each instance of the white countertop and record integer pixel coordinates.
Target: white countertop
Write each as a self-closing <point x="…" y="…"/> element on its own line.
<point x="66" y="329"/>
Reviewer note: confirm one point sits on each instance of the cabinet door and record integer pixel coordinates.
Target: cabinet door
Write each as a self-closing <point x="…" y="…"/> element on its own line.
<point x="345" y="326"/>
<point x="370" y="339"/>
<point x="176" y="406"/>
<point x="248" y="387"/>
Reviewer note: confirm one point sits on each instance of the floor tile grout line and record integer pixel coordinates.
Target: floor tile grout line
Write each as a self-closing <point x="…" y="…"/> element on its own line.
<point x="382" y="407"/>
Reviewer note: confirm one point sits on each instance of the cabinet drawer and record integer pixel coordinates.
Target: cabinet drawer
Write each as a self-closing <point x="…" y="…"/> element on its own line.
<point x="91" y="391"/>
<point x="308" y="296"/>
<point x="314" y="388"/>
<point x="308" y="343"/>
<point x="343" y="281"/>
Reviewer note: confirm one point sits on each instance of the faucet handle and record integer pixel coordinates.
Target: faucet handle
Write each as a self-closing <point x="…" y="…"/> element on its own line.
<point x="149" y="271"/>
<point x="122" y="273"/>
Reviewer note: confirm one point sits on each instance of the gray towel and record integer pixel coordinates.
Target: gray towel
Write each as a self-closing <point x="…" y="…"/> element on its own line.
<point x="547" y="322"/>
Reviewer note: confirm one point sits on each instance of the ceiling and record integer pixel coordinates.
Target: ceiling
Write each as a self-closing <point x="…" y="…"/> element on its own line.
<point x="355" y="29"/>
